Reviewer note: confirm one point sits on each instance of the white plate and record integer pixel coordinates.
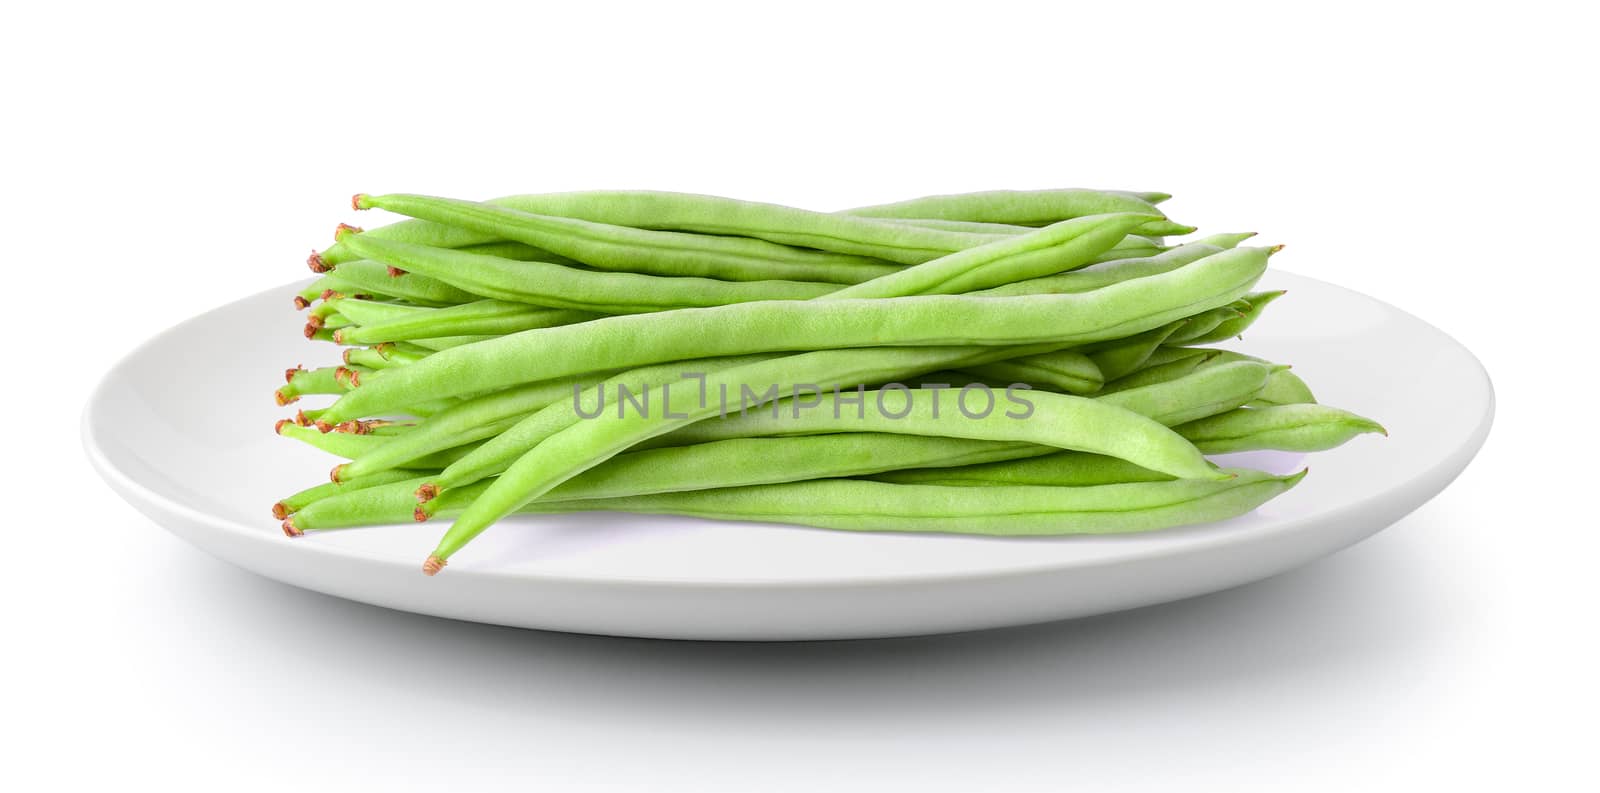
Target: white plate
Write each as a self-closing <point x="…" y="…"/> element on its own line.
<point x="183" y="430"/>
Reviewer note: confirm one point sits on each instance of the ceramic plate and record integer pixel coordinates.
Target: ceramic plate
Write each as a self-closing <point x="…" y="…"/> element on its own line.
<point x="192" y="447"/>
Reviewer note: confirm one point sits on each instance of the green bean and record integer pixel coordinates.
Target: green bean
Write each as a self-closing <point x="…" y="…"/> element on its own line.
<point x="1115" y="311"/>
<point x="554" y="285"/>
<point x="383" y="356"/>
<point x="484" y="317"/>
<point x="1048" y="419"/>
<point x="1294" y="428"/>
<point x="298" y="501"/>
<point x="1104" y="274"/>
<point x="1152" y="373"/>
<point x="1083" y="423"/>
<point x="863" y="505"/>
<point x="324" y="380"/>
<point x="619" y="247"/>
<point x="368" y="275"/>
<point x="1066" y="371"/>
<point x="370" y="358"/>
<point x="1205" y="392"/>
<point x="1254" y="304"/>
<point x="1284" y="388"/>
<point x="1115" y="359"/>
<point x="315" y="290"/>
<point x="1053" y="249"/>
<point x="1205" y="322"/>
<point x="372" y="312"/>
<point x="1022" y="207"/>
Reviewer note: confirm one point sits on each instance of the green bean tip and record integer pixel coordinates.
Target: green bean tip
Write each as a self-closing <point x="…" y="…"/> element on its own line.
<point x="284" y="399"/>
<point x="338" y="470"/>
<point x="322" y="426"/>
<point x="279" y="425"/>
<point x="288" y="374"/>
<point x="280" y="511"/>
<point x="433" y="565"/>
<point x="419" y="514"/>
<point x="427" y="492"/>
<point x="345" y="229"/>
<point x="360" y="201"/>
<point x="329" y="294"/>
<point x="311" y="330"/>
<point x="290" y="530"/>
<point x="354" y="427"/>
<point x="301" y="304"/>
<point x="1275" y="249"/>
<point x="314" y="261"/>
<point x="338" y="338"/>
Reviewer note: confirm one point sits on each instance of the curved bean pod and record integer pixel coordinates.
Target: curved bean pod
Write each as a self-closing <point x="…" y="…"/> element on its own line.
<point x="1124" y="356"/>
<point x="1284" y="388"/>
<point x="1104" y="274"/>
<point x="542" y="284"/>
<point x="1254" y="304"/>
<point x="1022" y="208"/>
<point x="299" y="382"/>
<point x="1204" y="323"/>
<point x="1294" y="428"/>
<point x="1063" y="246"/>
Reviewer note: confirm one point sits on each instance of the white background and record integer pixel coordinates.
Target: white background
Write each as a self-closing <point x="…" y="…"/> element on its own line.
<point x="162" y="161"/>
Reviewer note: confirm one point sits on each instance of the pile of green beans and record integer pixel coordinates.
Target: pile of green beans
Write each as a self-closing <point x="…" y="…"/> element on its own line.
<point x="995" y="363"/>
